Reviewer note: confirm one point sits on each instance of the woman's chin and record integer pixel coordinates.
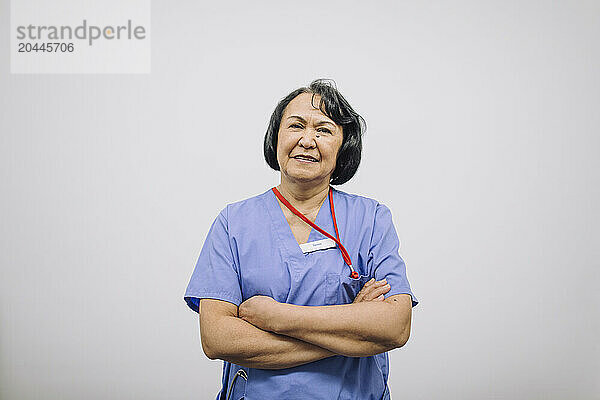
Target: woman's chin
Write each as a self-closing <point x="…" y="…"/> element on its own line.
<point x="305" y="178"/>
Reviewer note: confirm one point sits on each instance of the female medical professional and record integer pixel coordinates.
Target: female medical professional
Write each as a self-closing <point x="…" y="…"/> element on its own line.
<point x="302" y="287"/>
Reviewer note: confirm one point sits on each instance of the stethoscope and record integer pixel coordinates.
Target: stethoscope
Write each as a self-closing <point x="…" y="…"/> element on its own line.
<point x="345" y="256"/>
<point x="240" y="372"/>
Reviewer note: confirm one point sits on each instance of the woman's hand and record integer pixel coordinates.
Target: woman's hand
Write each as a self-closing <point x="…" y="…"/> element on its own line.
<point x="260" y="311"/>
<point x="372" y="291"/>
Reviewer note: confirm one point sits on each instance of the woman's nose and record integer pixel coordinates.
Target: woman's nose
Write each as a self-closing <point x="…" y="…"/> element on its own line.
<point x="309" y="137"/>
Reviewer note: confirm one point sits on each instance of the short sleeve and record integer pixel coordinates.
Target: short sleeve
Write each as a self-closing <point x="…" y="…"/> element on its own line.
<point x="384" y="256"/>
<point x="215" y="275"/>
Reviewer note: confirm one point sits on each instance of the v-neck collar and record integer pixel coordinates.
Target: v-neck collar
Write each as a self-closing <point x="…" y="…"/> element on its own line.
<point x="323" y="220"/>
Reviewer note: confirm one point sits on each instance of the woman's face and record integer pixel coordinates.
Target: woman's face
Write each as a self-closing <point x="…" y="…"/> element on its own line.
<point x="305" y="131"/>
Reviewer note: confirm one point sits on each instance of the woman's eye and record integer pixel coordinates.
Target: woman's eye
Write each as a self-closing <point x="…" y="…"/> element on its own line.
<point x="295" y="126"/>
<point x="326" y="130"/>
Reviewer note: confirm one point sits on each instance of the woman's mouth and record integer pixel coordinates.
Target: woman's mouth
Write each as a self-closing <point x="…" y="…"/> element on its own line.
<point x="305" y="159"/>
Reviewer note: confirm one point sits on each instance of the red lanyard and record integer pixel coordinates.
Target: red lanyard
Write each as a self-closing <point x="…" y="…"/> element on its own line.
<point x="345" y="255"/>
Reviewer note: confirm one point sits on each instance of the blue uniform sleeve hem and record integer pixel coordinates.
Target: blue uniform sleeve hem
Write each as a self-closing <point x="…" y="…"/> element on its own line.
<point x="193" y="300"/>
<point x="414" y="300"/>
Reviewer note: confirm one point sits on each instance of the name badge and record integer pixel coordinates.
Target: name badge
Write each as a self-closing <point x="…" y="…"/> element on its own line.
<point x="317" y="245"/>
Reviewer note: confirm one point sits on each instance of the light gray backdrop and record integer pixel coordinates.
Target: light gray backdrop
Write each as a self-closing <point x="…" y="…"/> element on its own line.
<point x="482" y="139"/>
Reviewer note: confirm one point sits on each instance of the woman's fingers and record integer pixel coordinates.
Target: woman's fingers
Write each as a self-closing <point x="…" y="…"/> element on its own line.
<point x="363" y="290"/>
<point x="372" y="290"/>
<point x="377" y="291"/>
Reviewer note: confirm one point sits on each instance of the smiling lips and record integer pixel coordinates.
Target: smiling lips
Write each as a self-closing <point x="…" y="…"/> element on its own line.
<point x="305" y="157"/>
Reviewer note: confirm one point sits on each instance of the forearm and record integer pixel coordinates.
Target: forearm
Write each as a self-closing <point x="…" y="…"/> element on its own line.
<point x="241" y="343"/>
<point x="354" y="330"/>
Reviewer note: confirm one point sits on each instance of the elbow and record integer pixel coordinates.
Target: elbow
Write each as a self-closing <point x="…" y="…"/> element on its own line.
<point x="215" y="348"/>
<point x="399" y="325"/>
<point x="402" y="333"/>
<point x="212" y="347"/>
<point x="400" y="337"/>
<point x="396" y="342"/>
<point x="401" y="340"/>
<point x="209" y="351"/>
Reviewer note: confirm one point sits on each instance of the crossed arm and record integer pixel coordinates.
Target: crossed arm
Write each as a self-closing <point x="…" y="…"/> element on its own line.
<point x="266" y="334"/>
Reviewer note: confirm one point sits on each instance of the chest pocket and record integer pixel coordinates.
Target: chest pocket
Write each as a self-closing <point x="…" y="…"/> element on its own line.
<point x="342" y="289"/>
<point x="266" y="280"/>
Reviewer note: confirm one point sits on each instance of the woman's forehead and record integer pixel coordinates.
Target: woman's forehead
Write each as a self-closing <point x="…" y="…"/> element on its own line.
<point x="305" y="107"/>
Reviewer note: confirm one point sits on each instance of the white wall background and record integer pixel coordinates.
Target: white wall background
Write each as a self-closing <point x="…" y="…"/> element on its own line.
<point x="482" y="139"/>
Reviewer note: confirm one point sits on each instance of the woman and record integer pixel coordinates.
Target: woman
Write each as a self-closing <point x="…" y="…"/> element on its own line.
<point x="293" y="281"/>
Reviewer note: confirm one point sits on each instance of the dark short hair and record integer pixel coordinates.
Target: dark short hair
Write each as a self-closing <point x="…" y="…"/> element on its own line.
<point x="335" y="106"/>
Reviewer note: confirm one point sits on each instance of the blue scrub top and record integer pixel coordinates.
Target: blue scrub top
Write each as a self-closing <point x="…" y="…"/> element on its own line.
<point x="250" y="250"/>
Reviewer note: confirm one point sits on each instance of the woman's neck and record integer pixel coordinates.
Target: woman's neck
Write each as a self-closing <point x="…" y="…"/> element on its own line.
<point x="305" y="197"/>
